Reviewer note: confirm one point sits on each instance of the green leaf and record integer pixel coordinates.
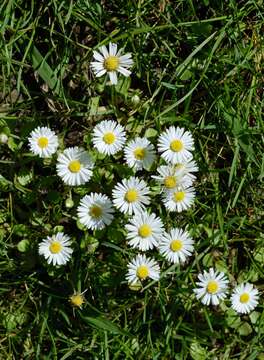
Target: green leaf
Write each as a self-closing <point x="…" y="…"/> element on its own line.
<point x="169" y="86"/>
<point x="186" y="75"/>
<point x="197" y="352"/>
<point x="151" y="133"/>
<point x="93" y="105"/>
<point x="208" y="260"/>
<point x="104" y="324"/>
<point x="221" y="266"/>
<point x="24" y="177"/>
<point x="123" y="86"/>
<point x="245" y="329"/>
<point x="20" y="229"/>
<point x="42" y="67"/>
<point x="259" y="255"/>
<point x="233" y="319"/>
<point x="254" y="317"/>
<point x="12" y="144"/>
<point x="202" y="29"/>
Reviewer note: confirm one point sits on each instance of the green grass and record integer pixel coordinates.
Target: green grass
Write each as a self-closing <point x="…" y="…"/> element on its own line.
<point x="198" y="65"/>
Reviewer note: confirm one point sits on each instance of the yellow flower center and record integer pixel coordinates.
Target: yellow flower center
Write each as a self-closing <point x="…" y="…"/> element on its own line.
<point x="77" y="300"/>
<point x="131" y="195"/>
<point x="111" y="63"/>
<point x="179" y="196"/>
<point x="212" y="287"/>
<point x="55" y="247"/>
<point x="170" y="182"/>
<point x="144" y="230"/>
<point x="244" y="298"/>
<point x="176" y="245"/>
<point x="43" y="142"/>
<point x="139" y="153"/>
<point x="109" y="138"/>
<point x="95" y="211"/>
<point x="74" y="166"/>
<point x="142" y="272"/>
<point x="176" y="145"/>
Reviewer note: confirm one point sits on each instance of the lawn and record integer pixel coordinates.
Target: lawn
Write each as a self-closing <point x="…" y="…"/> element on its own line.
<point x="197" y="68"/>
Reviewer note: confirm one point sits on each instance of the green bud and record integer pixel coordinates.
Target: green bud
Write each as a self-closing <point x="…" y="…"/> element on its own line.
<point x="47" y="161"/>
<point x="92" y="246"/>
<point x="135" y="287"/>
<point x="135" y="100"/>
<point x="3" y="138"/>
<point x="23" y="245"/>
<point x="69" y="203"/>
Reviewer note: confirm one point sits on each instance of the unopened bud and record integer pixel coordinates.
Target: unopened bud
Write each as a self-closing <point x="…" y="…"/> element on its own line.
<point x="3" y="138"/>
<point x="135" y="99"/>
<point x="69" y="203"/>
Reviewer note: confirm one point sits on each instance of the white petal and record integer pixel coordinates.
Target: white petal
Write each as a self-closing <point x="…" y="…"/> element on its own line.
<point x="104" y="51"/>
<point x="98" y="56"/>
<point x="112" y="49"/>
<point x="124" y="71"/>
<point x="113" y="77"/>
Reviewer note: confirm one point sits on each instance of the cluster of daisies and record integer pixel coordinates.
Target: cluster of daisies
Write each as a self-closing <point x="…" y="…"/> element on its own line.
<point x="144" y="229"/>
<point x="131" y="196"/>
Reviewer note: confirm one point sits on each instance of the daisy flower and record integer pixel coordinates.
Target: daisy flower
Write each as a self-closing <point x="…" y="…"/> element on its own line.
<point x="56" y="249"/>
<point x="179" y="199"/>
<point x="175" y="145"/>
<point x="171" y="177"/>
<point x="187" y="168"/>
<point x="74" y="166"/>
<point x="144" y="231"/>
<point x="95" y="211"/>
<point x="141" y="268"/>
<point x="176" y="245"/>
<point x="212" y="287"/>
<point x="43" y="142"/>
<point x="139" y="154"/>
<point x="131" y="195"/>
<point x="244" y="298"/>
<point x="77" y="299"/>
<point x="108" y="137"/>
<point x="111" y="62"/>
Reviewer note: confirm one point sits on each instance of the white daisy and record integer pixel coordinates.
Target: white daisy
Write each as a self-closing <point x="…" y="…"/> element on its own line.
<point x="212" y="287"/>
<point x="175" y="145"/>
<point x="56" y="249"/>
<point x="141" y="268"/>
<point x="74" y="166"/>
<point x="108" y="137"/>
<point x="244" y="298"/>
<point x="144" y="231"/>
<point x="171" y="177"/>
<point x="95" y="211"/>
<point x="43" y="142"/>
<point x="176" y="245"/>
<point x="139" y="154"/>
<point x="111" y="62"/>
<point x="187" y="168"/>
<point x="131" y="195"/>
<point x="179" y="199"/>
